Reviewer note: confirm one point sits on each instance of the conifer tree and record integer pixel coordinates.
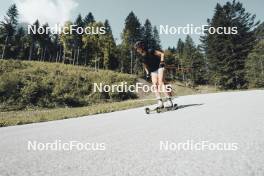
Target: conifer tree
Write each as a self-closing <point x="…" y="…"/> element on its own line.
<point x="156" y="38"/>
<point x="131" y="33"/>
<point x="88" y="19"/>
<point x="8" y="29"/>
<point x="226" y="53"/>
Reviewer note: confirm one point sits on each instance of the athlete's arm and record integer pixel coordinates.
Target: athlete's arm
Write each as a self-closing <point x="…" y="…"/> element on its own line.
<point x="160" y="54"/>
<point x="146" y="69"/>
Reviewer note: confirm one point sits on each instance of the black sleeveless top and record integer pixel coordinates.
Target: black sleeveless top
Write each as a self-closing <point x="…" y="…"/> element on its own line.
<point x="151" y="60"/>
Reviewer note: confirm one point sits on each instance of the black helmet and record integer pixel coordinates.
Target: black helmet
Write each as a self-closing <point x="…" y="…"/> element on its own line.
<point x="139" y="44"/>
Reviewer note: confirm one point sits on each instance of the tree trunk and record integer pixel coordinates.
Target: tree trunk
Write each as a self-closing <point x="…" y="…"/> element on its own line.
<point x="261" y="66"/>
<point x="60" y="51"/>
<point x="122" y="66"/>
<point x="74" y="56"/>
<point x="40" y="58"/>
<point x="78" y="52"/>
<point x="95" y="63"/>
<point x="30" y="51"/>
<point x="64" y="57"/>
<point x="4" y="48"/>
<point x="86" y="57"/>
<point x="131" y="62"/>
<point x="57" y="55"/>
<point x="44" y="54"/>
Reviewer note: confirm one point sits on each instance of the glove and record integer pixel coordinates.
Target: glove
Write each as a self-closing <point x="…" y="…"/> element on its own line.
<point x="162" y="64"/>
<point x="148" y="76"/>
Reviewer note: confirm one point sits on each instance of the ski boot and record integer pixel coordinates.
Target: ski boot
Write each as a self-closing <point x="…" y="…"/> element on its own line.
<point x="160" y="106"/>
<point x="157" y="108"/>
<point x="168" y="103"/>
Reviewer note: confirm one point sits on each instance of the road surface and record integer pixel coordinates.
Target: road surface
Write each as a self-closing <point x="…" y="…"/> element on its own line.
<point x="131" y="143"/>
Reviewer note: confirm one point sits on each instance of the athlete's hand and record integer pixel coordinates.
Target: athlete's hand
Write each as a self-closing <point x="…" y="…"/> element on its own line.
<point x="162" y="64"/>
<point x="147" y="76"/>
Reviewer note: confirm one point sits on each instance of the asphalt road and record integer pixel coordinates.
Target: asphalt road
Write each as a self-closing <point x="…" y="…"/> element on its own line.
<point x="132" y="143"/>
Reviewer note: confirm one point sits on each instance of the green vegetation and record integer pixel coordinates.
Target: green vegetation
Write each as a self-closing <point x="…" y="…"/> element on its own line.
<point x="48" y="85"/>
<point x="255" y="66"/>
<point x="43" y="115"/>
<point x="255" y="60"/>
<point x="189" y="62"/>
<point x="33" y="91"/>
<point x="222" y="60"/>
<point x="226" y="54"/>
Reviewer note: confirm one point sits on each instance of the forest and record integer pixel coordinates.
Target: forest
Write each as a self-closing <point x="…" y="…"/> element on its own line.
<point x="225" y="61"/>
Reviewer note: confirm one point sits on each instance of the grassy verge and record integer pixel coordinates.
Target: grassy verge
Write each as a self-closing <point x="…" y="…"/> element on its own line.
<point x="26" y="84"/>
<point x="11" y="118"/>
<point x="32" y="116"/>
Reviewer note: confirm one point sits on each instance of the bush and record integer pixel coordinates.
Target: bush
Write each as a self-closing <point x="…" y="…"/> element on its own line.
<point x="47" y="85"/>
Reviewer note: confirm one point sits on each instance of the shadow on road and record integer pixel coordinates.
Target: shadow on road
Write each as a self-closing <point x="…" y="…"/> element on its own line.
<point x="180" y="107"/>
<point x="174" y="109"/>
<point x="188" y="105"/>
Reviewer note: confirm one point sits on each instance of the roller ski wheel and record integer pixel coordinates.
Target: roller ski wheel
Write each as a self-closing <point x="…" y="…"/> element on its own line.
<point x="147" y="110"/>
<point x="161" y="109"/>
<point x="158" y="109"/>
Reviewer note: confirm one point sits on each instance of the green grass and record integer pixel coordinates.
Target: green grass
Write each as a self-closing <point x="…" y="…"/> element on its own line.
<point x="28" y="91"/>
<point x="180" y="89"/>
<point x="25" y="84"/>
<point x="42" y="115"/>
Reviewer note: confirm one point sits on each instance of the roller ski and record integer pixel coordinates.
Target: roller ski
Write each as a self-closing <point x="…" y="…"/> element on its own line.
<point x="162" y="107"/>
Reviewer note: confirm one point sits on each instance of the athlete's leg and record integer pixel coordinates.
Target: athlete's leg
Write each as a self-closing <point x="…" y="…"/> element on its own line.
<point x="161" y="78"/>
<point x="162" y="87"/>
<point x="154" y="77"/>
